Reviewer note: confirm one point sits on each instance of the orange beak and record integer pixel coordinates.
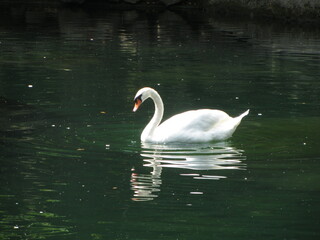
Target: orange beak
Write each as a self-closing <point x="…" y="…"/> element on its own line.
<point x="137" y="104"/>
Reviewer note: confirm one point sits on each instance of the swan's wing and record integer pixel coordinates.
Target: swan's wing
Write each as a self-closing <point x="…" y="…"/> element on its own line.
<point x="203" y="119"/>
<point x="190" y="124"/>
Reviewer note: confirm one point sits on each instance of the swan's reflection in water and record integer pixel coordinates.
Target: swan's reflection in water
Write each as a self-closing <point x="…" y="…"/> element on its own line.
<point x="197" y="157"/>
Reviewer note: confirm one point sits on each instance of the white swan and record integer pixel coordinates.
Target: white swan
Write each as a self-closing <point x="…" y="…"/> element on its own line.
<point x="203" y="125"/>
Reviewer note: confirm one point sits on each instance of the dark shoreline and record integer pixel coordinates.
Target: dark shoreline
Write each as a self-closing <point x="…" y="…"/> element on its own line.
<point x="307" y="12"/>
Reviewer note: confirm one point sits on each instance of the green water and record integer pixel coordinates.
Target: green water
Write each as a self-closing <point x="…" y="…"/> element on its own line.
<point x="72" y="165"/>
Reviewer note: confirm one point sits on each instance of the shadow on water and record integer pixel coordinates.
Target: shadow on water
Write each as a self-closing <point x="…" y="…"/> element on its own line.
<point x="19" y="121"/>
<point x="194" y="157"/>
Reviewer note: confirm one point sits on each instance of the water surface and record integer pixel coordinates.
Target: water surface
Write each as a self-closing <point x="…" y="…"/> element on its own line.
<point x="73" y="167"/>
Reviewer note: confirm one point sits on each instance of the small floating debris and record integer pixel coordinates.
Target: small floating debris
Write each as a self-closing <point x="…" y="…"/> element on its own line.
<point x="80" y="149"/>
<point x="107" y="146"/>
<point x="259" y="114"/>
<point x="196" y="193"/>
<point x="30" y="86"/>
<point x="16" y="227"/>
<point x="103" y="112"/>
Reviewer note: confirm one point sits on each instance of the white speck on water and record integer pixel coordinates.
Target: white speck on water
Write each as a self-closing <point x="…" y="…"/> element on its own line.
<point x="107" y="146"/>
<point x="44" y="57"/>
<point x="237" y="98"/>
<point x="16" y="227"/>
<point x="196" y="193"/>
<point x="259" y="114"/>
<point x="30" y="86"/>
<point x="41" y="212"/>
<point x="68" y="128"/>
<point x="53" y="125"/>
<point x="304" y="143"/>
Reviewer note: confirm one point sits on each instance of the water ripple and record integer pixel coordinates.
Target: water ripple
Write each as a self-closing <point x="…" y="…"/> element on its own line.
<point x="194" y="157"/>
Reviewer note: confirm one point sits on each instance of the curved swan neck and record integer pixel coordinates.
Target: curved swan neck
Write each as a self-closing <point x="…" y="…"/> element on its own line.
<point x="157" y="116"/>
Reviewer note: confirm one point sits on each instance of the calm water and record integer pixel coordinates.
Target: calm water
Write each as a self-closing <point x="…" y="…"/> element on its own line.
<point x="72" y="165"/>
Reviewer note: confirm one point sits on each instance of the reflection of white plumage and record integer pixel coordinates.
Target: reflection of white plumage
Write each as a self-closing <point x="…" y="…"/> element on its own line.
<point x="203" y="125"/>
<point x="210" y="156"/>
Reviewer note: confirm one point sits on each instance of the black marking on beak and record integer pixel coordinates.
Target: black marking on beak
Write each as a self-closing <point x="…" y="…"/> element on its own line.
<point x="138" y="98"/>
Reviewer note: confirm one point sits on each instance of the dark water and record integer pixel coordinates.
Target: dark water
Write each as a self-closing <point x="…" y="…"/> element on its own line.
<point x="72" y="165"/>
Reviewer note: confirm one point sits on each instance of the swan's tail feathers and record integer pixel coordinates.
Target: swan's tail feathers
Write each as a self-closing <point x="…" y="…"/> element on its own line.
<point x="244" y="114"/>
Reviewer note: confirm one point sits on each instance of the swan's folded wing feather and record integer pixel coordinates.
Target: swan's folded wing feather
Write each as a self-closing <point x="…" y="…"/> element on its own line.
<point x="203" y="119"/>
<point x="191" y="124"/>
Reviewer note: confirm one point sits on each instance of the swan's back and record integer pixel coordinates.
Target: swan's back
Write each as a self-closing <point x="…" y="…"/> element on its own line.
<point x="194" y="126"/>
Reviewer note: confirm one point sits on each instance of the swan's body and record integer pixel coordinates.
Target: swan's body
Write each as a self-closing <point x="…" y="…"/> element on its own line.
<point x="193" y="126"/>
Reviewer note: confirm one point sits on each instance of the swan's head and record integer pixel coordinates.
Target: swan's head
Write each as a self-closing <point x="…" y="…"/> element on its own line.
<point x="141" y="96"/>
